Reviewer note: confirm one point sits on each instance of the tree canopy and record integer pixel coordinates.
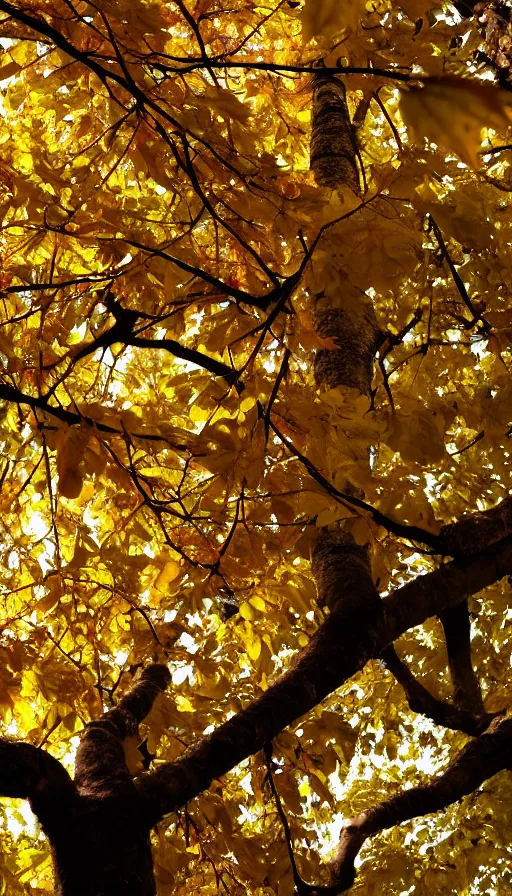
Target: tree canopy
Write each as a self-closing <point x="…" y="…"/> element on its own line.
<point x="255" y="412"/>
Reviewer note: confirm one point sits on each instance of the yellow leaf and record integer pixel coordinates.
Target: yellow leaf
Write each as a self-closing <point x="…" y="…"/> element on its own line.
<point x="255" y="462"/>
<point x="170" y="572"/>
<point x="282" y="510"/>
<point x="328" y="17"/>
<point x="225" y="103"/>
<point x="326" y="517"/>
<point x="84" y="127"/>
<point x="132" y="754"/>
<point x="71" y="445"/>
<point x="416" y="436"/>
<point x="360" y="531"/>
<point x="452" y="111"/>
<point x="80" y="557"/>
<point x="254" y="647"/>
<point x="70" y="483"/>
<point x="52" y="596"/>
<point x="247" y="612"/>
<point x="214" y="688"/>
<point x="93" y="463"/>
<point x="183" y="704"/>
<point x="8" y="70"/>
<point x="304" y="788"/>
<point x="222" y="462"/>
<point x="248" y="403"/>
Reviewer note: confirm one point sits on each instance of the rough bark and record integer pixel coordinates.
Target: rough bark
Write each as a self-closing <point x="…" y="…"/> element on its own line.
<point x="333" y="161"/>
<point x="27" y="772"/>
<point x="333" y="147"/>
<point x="344" y="579"/>
<point x="356" y="333"/>
<point x="98" y="825"/>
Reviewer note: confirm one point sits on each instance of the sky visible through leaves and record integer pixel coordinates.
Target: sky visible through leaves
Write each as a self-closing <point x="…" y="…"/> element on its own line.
<point x="154" y="508"/>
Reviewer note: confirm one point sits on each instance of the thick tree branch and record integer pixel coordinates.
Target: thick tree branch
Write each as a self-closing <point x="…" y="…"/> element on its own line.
<point x="28" y="772"/>
<point x="333" y="142"/>
<point x="478" y="761"/>
<point x="477" y="531"/>
<point x="335" y="653"/>
<point x="100" y="766"/>
<point x="137" y="703"/>
<point x="457" y="631"/>
<point x="421" y="701"/>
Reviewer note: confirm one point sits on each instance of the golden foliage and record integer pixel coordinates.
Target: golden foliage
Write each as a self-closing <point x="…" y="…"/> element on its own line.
<point x="452" y="112"/>
<point x="153" y="508"/>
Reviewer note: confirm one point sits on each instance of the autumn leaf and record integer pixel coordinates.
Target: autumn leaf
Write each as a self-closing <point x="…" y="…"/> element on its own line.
<point x="290" y="444"/>
<point x="416" y="435"/>
<point x="70" y="451"/>
<point x="328" y="17"/>
<point x="452" y="112"/>
<point x="225" y="103"/>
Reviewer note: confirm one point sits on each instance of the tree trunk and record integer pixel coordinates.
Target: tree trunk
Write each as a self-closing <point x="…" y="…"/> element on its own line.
<point x="340" y="566"/>
<point x="102" y="848"/>
<point x="333" y="147"/>
<point x="99" y="823"/>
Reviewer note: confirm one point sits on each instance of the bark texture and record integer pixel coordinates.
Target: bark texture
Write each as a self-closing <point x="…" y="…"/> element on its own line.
<point x="333" y="161"/>
<point x="99" y="824"/>
<point x="333" y="146"/>
<point x="344" y="579"/>
<point x="356" y="333"/>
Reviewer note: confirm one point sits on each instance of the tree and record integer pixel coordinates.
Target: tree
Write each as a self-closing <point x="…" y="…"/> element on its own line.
<point x="255" y="349"/>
